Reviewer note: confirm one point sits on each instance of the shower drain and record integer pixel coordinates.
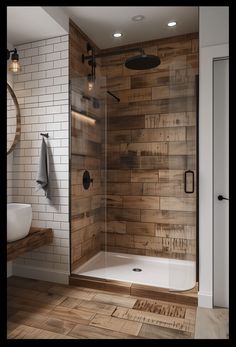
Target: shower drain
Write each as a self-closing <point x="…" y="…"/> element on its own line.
<point x="136" y="269"/>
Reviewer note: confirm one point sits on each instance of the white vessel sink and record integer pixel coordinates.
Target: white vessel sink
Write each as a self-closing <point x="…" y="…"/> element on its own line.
<point x="19" y="218"/>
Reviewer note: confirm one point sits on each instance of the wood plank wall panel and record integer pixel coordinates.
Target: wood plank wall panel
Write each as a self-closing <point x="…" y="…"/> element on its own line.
<point x="87" y="215"/>
<point x="151" y="142"/>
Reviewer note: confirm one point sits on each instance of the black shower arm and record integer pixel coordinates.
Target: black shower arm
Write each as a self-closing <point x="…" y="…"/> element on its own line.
<point x="114" y="96"/>
<point x="86" y="57"/>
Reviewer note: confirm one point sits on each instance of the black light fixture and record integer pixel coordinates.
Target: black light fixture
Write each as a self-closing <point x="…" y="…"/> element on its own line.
<point x="91" y="77"/>
<point x="14" y="66"/>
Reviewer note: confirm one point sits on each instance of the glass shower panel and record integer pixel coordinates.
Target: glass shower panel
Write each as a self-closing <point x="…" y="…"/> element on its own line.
<point x="179" y="199"/>
<point x="88" y="171"/>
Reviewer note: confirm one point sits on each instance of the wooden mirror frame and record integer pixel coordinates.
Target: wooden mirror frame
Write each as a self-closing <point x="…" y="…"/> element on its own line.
<point x="18" y="124"/>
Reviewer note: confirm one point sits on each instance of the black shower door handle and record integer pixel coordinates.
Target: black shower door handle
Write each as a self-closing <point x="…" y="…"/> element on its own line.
<point x="187" y="174"/>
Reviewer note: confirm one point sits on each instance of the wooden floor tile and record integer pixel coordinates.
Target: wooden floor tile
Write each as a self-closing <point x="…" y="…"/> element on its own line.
<point x="130" y="327"/>
<point x="24" y="304"/>
<point x="52" y="299"/>
<point x="115" y="300"/>
<point x="11" y="326"/>
<point x="24" y="332"/>
<point x="97" y="307"/>
<point x="22" y="292"/>
<point x="155" y="319"/>
<point x="149" y="331"/>
<point x="160" y="308"/>
<point x="212" y="323"/>
<point x="72" y="315"/>
<point x="77" y="292"/>
<point x="28" y="318"/>
<point x="27" y="332"/>
<point x="115" y="324"/>
<point x="58" y="325"/>
<point x="92" y="332"/>
<point x="29" y="283"/>
<point x="70" y="302"/>
<point x="44" y="297"/>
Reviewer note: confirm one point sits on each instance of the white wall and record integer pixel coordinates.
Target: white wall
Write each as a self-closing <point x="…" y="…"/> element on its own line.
<point x="42" y="90"/>
<point x="10" y="156"/>
<point x="214" y="25"/>
<point x="213" y="32"/>
<point x="59" y="15"/>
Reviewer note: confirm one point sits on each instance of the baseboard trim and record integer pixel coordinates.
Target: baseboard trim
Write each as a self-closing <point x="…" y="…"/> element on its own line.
<point x="51" y="275"/>
<point x="205" y="299"/>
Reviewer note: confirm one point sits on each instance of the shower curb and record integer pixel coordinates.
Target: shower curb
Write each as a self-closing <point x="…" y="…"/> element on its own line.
<point x="188" y="297"/>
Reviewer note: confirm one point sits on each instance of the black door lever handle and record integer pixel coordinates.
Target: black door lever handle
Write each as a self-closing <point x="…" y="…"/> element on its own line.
<point x="221" y="197"/>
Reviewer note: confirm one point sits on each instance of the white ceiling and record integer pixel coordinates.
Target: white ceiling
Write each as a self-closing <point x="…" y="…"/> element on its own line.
<point x="100" y="22"/>
<point x="32" y="23"/>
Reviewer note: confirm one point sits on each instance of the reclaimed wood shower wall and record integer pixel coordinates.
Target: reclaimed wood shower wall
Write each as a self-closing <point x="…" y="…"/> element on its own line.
<point x="87" y="217"/>
<point x="151" y="142"/>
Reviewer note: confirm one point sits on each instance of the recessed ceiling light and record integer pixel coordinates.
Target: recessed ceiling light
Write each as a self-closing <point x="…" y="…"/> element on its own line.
<point x="138" y="18"/>
<point x="117" y="35"/>
<point x="172" y="24"/>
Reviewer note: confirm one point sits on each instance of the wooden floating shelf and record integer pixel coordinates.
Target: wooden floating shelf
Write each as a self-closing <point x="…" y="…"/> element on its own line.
<point x="37" y="237"/>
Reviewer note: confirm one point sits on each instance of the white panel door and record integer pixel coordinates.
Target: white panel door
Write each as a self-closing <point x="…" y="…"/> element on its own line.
<point x="221" y="182"/>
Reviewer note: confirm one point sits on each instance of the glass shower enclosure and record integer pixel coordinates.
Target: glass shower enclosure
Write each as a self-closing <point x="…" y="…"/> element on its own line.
<point x="134" y="180"/>
<point x="87" y="166"/>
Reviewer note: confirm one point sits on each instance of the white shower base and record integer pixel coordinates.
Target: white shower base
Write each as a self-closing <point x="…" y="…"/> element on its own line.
<point x="159" y="272"/>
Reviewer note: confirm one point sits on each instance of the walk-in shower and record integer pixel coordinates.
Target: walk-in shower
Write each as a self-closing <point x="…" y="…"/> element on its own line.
<point x="137" y="220"/>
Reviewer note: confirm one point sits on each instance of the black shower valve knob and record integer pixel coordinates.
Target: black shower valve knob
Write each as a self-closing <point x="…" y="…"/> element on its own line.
<point x="87" y="180"/>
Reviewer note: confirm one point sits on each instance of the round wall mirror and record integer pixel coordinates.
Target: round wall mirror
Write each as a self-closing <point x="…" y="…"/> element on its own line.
<point x="13" y="120"/>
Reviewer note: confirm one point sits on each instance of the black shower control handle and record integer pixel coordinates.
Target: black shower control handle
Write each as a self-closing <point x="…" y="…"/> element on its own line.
<point x="87" y="180"/>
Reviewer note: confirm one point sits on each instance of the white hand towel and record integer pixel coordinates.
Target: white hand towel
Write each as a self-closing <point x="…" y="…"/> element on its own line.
<point x="43" y="173"/>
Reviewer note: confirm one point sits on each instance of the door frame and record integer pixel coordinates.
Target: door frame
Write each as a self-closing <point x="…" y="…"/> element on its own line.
<point x="214" y="191"/>
<point x="206" y="206"/>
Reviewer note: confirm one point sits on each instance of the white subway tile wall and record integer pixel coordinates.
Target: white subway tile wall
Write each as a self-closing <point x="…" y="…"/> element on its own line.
<point x="42" y="91"/>
<point x="10" y="156"/>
